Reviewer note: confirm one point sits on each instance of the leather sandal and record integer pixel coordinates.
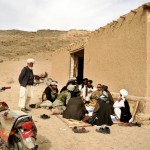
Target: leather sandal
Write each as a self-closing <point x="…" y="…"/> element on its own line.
<point x="79" y="130"/>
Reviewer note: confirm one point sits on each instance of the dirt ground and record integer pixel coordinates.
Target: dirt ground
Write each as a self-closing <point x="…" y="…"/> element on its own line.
<point x="53" y="134"/>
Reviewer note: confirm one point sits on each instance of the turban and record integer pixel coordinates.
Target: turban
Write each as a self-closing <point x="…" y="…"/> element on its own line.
<point x="30" y="60"/>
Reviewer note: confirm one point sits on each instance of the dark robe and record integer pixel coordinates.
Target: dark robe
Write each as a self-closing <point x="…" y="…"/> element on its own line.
<point x="75" y="109"/>
<point x="26" y="77"/>
<point x="111" y="103"/>
<point x="125" y="112"/>
<point x="102" y="113"/>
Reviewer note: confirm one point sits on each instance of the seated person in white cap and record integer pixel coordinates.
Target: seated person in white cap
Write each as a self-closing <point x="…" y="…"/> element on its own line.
<point x="49" y="95"/>
<point x="121" y="107"/>
<point x="26" y="80"/>
<point x="72" y="81"/>
<point x="59" y="105"/>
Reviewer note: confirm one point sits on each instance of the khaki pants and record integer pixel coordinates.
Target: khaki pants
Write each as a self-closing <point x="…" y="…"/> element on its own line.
<point x="46" y="103"/>
<point x="25" y="96"/>
<point x="58" y="107"/>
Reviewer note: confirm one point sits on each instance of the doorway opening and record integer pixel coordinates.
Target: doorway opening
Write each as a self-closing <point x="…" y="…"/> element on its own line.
<point x="77" y="65"/>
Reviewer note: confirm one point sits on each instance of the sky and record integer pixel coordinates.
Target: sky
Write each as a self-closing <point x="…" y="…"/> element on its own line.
<point x="33" y="15"/>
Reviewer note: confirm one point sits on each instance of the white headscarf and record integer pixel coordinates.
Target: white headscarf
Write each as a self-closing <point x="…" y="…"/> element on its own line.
<point x="124" y="93"/>
<point x="53" y="83"/>
<point x="30" y="60"/>
<point x="71" y="87"/>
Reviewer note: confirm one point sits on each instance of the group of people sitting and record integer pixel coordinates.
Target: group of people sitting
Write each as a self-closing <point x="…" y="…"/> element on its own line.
<point x="78" y="101"/>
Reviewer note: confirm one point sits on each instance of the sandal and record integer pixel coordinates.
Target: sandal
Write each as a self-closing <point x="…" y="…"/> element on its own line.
<point x="44" y="116"/>
<point x="79" y="130"/>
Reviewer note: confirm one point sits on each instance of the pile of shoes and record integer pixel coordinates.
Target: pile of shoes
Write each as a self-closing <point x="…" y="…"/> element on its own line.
<point x="44" y="116"/>
<point x="79" y="130"/>
<point x="105" y="130"/>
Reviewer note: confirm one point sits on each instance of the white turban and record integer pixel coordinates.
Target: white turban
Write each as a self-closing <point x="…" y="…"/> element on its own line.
<point x="124" y="93"/>
<point x="71" y="87"/>
<point x="53" y="83"/>
<point x="30" y="60"/>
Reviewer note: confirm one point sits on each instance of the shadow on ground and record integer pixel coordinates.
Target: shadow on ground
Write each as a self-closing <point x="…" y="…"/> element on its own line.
<point x="43" y="143"/>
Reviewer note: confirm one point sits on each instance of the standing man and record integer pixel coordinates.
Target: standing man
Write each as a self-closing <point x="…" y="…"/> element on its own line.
<point x="26" y="80"/>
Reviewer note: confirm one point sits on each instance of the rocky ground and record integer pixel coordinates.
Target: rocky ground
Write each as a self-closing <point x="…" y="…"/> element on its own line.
<point x="15" y="43"/>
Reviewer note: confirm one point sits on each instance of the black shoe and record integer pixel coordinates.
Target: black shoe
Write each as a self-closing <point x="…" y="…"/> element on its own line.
<point x="24" y="110"/>
<point x="44" y="116"/>
<point x="105" y="130"/>
<point x="27" y="109"/>
<point x="136" y="124"/>
<point x="32" y="105"/>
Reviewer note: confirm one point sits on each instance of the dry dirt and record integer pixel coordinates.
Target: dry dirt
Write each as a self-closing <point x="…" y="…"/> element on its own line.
<point x="53" y="134"/>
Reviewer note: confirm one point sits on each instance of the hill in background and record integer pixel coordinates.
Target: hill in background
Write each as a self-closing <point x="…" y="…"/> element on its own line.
<point x="14" y="43"/>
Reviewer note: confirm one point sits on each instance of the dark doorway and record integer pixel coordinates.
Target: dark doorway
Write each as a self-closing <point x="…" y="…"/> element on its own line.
<point x="77" y="65"/>
<point x="80" y="70"/>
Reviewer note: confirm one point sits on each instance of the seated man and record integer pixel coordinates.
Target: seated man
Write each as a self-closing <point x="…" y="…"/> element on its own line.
<point x="121" y="107"/>
<point x="49" y="95"/>
<point x="72" y="81"/>
<point x="102" y="114"/>
<point x="110" y="99"/>
<point x="59" y="105"/>
<point x="75" y="108"/>
<point x="87" y="91"/>
<point x="95" y="95"/>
